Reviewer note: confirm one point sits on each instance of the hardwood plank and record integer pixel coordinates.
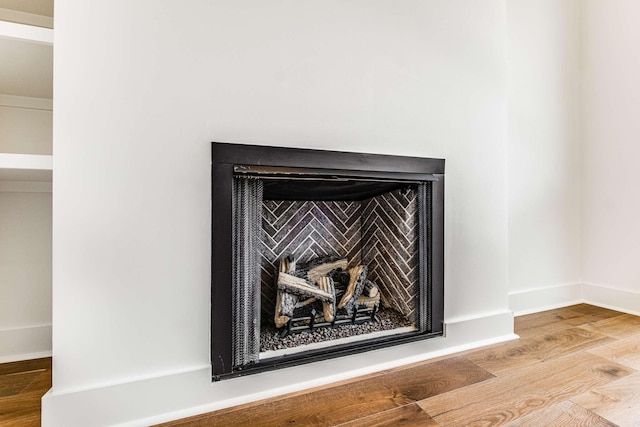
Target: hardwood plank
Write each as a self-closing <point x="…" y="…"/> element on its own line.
<point x="14" y="383"/>
<point x="563" y="414"/>
<point x="618" y="401"/>
<point x="357" y="399"/>
<point x="551" y="321"/>
<point x="25" y="366"/>
<point x="526" y="352"/>
<point x="594" y="312"/>
<point x="20" y="407"/>
<point x="506" y="398"/>
<point x="622" y="326"/>
<point x="624" y="351"/>
<point x="408" y="415"/>
<point x="32" y="420"/>
<point x="40" y="384"/>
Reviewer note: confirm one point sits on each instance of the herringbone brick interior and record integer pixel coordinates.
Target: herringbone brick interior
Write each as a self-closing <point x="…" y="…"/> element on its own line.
<point x="390" y="248"/>
<point x="381" y="231"/>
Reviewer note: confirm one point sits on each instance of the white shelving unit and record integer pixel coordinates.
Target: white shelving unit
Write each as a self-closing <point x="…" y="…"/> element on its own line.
<point x="26" y="171"/>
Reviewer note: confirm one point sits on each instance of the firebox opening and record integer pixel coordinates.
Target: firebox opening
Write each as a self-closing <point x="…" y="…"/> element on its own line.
<point x="362" y="234"/>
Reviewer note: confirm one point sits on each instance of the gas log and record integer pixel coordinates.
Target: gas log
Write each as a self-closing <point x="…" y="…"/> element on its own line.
<point x="369" y="302"/>
<point x="357" y="279"/>
<point x="285" y="301"/>
<point x="323" y="286"/>
<point x="302" y="288"/>
<point x="320" y="267"/>
<point x="370" y="289"/>
<point x="328" y="307"/>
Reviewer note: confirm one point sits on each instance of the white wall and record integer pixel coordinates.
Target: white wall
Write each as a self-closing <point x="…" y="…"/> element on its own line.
<point x="140" y="92"/>
<point x="544" y="179"/>
<point x="25" y="273"/>
<point x="612" y="131"/>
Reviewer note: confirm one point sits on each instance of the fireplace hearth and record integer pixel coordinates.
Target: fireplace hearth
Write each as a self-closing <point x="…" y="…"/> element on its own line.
<point x="319" y="254"/>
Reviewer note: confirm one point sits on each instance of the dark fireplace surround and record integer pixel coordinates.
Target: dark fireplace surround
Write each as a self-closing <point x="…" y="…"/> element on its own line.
<point x="318" y="177"/>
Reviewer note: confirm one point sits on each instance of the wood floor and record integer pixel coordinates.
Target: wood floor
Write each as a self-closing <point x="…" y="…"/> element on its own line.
<point x="575" y="366"/>
<point x="22" y="385"/>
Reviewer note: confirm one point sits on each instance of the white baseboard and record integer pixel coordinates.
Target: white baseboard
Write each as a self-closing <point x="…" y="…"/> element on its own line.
<point x="542" y="299"/>
<point x="170" y="396"/>
<point x="25" y="343"/>
<point x="611" y="298"/>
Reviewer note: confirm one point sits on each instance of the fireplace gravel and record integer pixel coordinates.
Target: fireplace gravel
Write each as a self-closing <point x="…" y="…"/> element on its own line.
<point x="387" y="319"/>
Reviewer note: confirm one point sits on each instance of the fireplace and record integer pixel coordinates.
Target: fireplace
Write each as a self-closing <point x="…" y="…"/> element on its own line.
<point x="319" y="254"/>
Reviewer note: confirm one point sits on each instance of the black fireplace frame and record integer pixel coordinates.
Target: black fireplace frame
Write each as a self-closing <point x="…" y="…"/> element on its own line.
<point x="229" y="159"/>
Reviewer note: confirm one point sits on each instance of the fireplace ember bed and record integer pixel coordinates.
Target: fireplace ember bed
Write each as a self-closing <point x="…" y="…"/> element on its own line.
<point x="319" y="254"/>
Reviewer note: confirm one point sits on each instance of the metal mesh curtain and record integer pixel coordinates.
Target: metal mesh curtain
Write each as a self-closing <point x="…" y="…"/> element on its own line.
<point x="425" y="233"/>
<point x="247" y="218"/>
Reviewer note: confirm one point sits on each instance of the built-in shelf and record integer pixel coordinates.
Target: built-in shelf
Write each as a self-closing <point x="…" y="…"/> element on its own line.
<point x="26" y="161"/>
<point x="25" y="172"/>
<point x="26" y="83"/>
<point x="27" y="33"/>
<point x="28" y="68"/>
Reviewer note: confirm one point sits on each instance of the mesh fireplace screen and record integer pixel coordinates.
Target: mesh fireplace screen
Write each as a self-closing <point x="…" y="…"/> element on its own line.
<point x="247" y="218"/>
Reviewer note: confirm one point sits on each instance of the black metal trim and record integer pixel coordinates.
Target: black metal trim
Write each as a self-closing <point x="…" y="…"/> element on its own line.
<point x="225" y="156"/>
<point x="221" y="268"/>
<point x="241" y="154"/>
<point x="437" y="255"/>
<point x="291" y="173"/>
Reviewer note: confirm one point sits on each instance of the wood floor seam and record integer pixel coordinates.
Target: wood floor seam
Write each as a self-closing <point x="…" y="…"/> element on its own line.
<point x="374" y="419"/>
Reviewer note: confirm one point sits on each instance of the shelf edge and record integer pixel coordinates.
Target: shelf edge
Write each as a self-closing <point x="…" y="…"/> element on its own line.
<point x="26" y="161"/>
<point x="27" y="33"/>
<point x="26" y="102"/>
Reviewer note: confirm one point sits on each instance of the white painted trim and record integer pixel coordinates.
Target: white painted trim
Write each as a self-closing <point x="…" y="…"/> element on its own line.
<point x="191" y="392"/>
<point x="475" y="317"/>
<point x="27" y="33"/>
<point x="542" y="299"/>
<point x="23" y="357"/>
<point x="26" y="161"/>
<point x="25" y="187"/>
<point x="27" y="102"/>
<point x="612" y="298"/>
<point x="547" y="298"/>
<point x="25" y="343"/>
